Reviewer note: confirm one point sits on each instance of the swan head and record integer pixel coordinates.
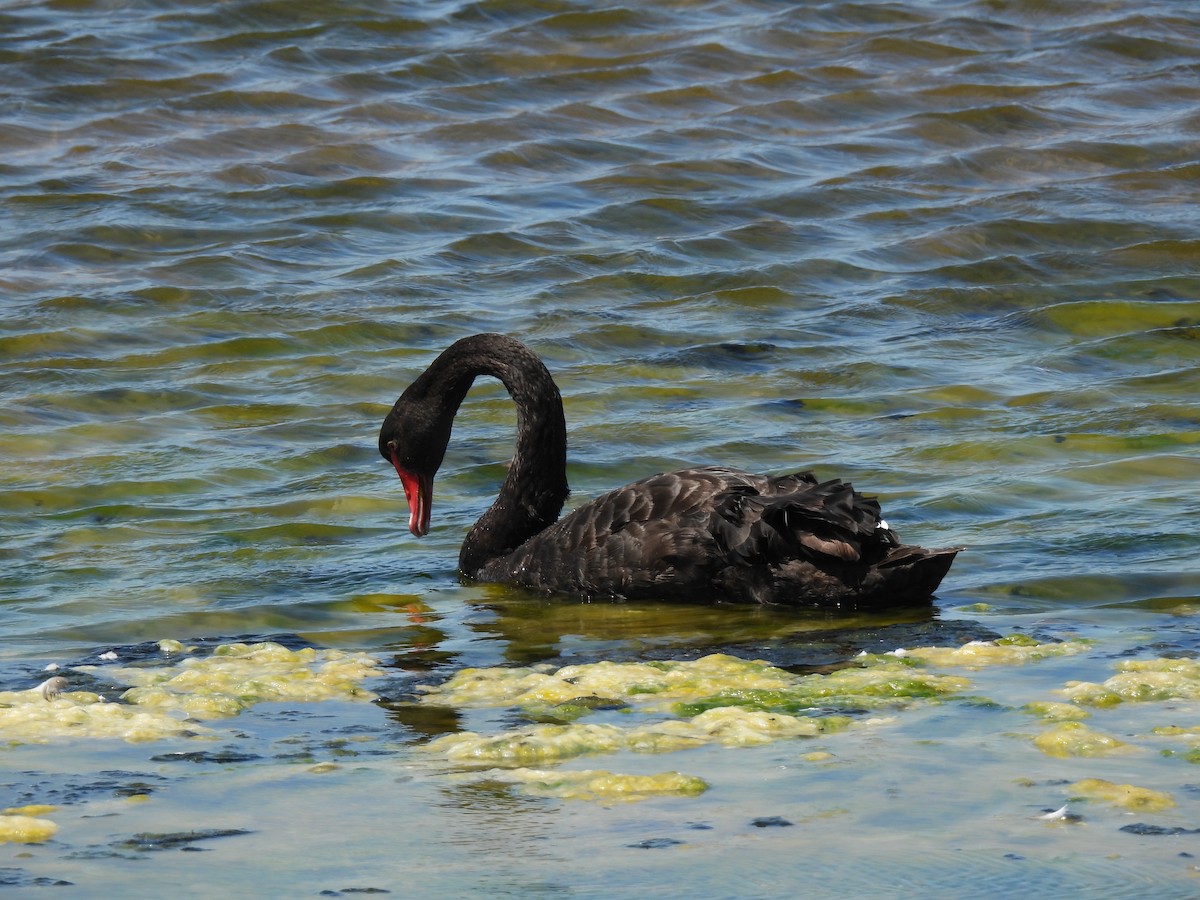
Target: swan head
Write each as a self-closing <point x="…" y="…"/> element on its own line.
<point x="413" y="439"/>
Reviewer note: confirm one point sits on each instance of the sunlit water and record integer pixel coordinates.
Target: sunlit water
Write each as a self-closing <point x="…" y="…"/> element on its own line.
<point x="947" y="250"/>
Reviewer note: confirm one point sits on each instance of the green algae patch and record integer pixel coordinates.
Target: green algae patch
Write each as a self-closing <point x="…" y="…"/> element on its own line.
<point x="603" y="786"/>
<point x="664" y="681"/>
<point x="879" y="684"/>
<point x="1016" y="649"/>
<point x="1135" y="799"/>
<point x="734" y="726"/>
<point x="529" y="746"/>
<point x="665" y="706"/>
<point x="33" y="809"/>
<point x="164" y="700"/>
<point x="1071" y="739"/>
<point x="1053" y="711"/>
<point x="26" y="829"/>
<point x="541" y="744"/>
<point x="689" y="688"/>
<point x="572" y="710"/>
<point x="237" y="676"/>
<point x="1139" y="681"/>
<point x="27" y="717"/>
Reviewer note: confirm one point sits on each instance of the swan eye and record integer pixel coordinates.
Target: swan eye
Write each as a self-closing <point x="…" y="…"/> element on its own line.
<point x="388" y="450"/>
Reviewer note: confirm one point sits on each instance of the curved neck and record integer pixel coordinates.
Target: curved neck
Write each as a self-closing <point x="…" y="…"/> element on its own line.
<point x="535" y="488"/>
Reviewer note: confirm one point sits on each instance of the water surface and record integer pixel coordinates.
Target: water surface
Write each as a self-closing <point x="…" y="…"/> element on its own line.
<point x="946" y="250"/>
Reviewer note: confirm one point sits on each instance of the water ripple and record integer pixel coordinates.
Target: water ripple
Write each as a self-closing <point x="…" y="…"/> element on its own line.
<point x="948" y="251"/>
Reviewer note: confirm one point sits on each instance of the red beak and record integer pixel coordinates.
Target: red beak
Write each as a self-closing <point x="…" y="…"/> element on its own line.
<point x="418" y="489"/>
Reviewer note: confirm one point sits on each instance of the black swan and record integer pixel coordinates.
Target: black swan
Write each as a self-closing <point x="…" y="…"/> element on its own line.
<point x="702" y="534"/>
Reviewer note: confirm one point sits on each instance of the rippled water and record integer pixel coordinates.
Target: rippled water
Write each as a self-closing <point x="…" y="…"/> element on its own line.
<point x="948" y="250"/>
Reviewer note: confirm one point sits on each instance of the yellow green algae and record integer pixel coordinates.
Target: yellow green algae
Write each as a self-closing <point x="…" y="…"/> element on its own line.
<point x="1071" y="738"/>
<point x="601" y="785"/>
<point x="1140" y="680"/>
<point x="1054" y="711"/>
<point x="694" y="686"/>
<point x="26" y="717"/>
<point x="536" y="744"/>
<point x="817" y="756"/>
<point x="32" y="809"/>
<point x="1012" y="650"/>
<point x="1135" y="799"/>
<point x="1153" y="680"/>
<point x="164" y="699"/>
<point x="1076" y="739"/>
<point x="237" y="676"/>
<point x="664" y="681"/>
<point x="718" y="699"/>
<point x="17" y="829"/>
<point x="729" y="726"/>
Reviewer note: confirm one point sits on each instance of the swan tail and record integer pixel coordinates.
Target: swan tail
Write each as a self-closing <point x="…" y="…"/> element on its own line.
<point x="822" y="540"/>
<point x="816" y="521"/>
<point x="910" y="573"/>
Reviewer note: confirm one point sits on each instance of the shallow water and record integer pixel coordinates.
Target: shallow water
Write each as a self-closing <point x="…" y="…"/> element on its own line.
<point x="948" y="251"/>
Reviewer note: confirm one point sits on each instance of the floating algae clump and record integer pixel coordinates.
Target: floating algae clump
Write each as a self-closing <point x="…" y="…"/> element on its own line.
<point x="1136" y="799"/>
<point x="615" y="681"/>
<point x="729" y="726"/>
<point x="1141" y="680"/>
<point x="1013" y="650"/>
<point x="237" y="676"/>
<point x="1076" y="739"/>
<point x="879" y="683"/>
<point x="717" y="699"/>
<point x="537" y="744"/>
<point x="25" y="830"/>
<point x="232" y="678"/>
<point x="665" y="706"/>
<point x="603" y="786"/>
<point x="33" y="809"/>
<point x="26" y="717"/>
<point x="734" y="726"/>
<point x="692" y="687"/>
<point x="1048" y="709"/>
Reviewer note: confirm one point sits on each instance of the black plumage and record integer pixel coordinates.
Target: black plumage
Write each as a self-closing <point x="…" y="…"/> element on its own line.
<point x="701" y="534"/>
